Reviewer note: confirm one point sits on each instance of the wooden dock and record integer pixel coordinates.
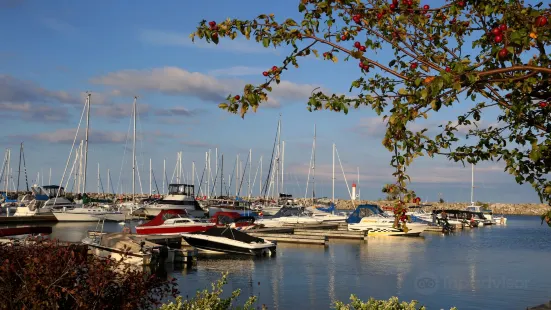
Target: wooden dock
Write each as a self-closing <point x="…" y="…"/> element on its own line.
<point x="333" y="234"/>
<point x="27" y="219"/>
<point x="290" y="238"/>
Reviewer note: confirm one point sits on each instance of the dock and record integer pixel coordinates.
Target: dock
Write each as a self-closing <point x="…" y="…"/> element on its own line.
<point x="27" y="219"/>
<point x="292" y="238"/>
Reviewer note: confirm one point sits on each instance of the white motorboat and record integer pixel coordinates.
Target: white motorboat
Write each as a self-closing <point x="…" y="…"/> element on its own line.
<point x="373" y="219"/>
<point x="327" y="215"/>
<point x="88" y="214"/>
<point x="231" y="241"/>
<point x="289" y="215"/>
<point x="44" y="200"/>
<point x="180" y="196"/>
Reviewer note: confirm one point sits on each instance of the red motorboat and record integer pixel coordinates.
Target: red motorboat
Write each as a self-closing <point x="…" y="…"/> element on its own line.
<point x="234" y="220"/>
<point x="173" y="222"/>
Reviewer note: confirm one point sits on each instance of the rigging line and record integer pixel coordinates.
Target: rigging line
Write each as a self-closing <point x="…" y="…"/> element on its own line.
<point x="155" y="180"/>
<point x="215" y="178"/>
<point x="19" y="169"/>
<point x="119" y="185"/>
<point x="266" y="185"/>
<point x="231" y="180"/>
<point x="86" y="104"/>
<point x="201" y="181"/>
<point x="25" y="168"/>
<point x="243" y="175"/>
<point x="101" y="184"/>
<point x="344" y="176"/>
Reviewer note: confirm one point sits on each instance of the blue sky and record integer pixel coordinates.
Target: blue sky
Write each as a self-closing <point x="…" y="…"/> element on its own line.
<point x="54" y="51"/>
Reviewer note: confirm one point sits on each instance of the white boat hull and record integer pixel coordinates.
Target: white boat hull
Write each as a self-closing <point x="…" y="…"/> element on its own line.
<point x="77" y="217"/>
<point x="414" y="229"/>
<point x="154" y="210"/>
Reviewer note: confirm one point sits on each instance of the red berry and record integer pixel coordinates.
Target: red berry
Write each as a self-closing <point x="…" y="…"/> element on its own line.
<point x="413" y="66"/>
<point x="496" y="31"/>
<point x="503" y="27"/>
<point x="503" y="53"/>
<point x="543" y="104"/>
<point x="448" y="69"/>
<point x="265" y="73"/>
<point x="212" y="24"/>
<point x="344" y="37"/>
<point x="509" y="95"/>
<point x="274" y="68"/>
<point x="380" y="16"/>
<point x="357" y="44"/>
<point x="393" y="7"/>
<point x="237" y="97"/>
<point x="395" y="2"/>
<point x="410" y="2"/>
<point x="426" y="7"/>
<point x="362" y="48"/>
<point x="215" y="36"/>
<point x="498" y="38"/>
<point x="461" y="4"/>
<point x="357" y="19"/>
<point x="427" y="16"/>
<point x="541" y="21"/>
<point x="453" y="21"/>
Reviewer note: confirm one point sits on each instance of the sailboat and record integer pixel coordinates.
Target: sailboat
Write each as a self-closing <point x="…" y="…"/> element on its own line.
<point x="499" y="220"/>
<point x="76" y="212"/>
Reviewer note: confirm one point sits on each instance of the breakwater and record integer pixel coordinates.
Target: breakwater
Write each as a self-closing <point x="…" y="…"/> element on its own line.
<point x="497" y="208"/>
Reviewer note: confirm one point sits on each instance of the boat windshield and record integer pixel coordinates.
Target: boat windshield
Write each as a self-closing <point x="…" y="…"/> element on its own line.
<point x="52" y="191"/>
<point x="168" y="216"/>
<point x="288" y="211"/>
<point x="181" y="189"/>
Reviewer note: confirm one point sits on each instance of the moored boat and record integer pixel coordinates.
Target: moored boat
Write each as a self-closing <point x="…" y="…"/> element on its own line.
<point x="180" y="196"/>
<point x="231" y="241"/>
<point x="373" y="219"/>
<point x="169" y="222"/>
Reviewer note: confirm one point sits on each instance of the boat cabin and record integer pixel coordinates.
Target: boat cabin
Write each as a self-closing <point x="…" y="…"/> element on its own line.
<point x="227" y="218"/>
<point x="364" y="211"/>
<point x="181" y="220"/>
<point x="48" y="191"/>
<point x="181" y="189"/>
<point x="289" y="211"/>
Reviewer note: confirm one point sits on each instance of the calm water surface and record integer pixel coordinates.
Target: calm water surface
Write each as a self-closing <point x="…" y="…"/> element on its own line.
<point x="497" y="267"/>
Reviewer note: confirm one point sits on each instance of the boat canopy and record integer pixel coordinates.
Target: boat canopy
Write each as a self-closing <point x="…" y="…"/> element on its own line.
<point x="364" y="211"/>
<point x="48" y="191"/>
<point x="224" y="218"/>
<point x="289" y="211"/>
<point x="329" y="209"/>
<point x="181" y="189"/>
<point x="231" y="233"/>
<point x="165" y="215"/>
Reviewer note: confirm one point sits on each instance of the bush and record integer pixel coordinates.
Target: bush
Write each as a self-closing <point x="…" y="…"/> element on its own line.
<point x="211" y="300"/>
<point x="47" y="274"/>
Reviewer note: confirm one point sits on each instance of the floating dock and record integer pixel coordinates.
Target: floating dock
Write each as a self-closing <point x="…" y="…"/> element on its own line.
<point x="27" y="219"/>
<point x="290" y="238"/>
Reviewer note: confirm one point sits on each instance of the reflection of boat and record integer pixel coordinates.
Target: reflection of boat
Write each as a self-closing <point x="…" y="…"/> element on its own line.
<point x="173" y="222"/>
<point x="180" y="196"/>
<point x="376" y="222"/>
<point x="231" y="241"/>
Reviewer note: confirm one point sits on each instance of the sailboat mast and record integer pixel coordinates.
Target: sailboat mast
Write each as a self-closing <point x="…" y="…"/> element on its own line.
<point x="314" y="168"/>
<point x="86" y="138"/>
<point x="333" y="186"/>
<point x="150" y="177"/>
<point x="282" y="165"/>
<point x="260" y="183"/>
<point x="250" y="163"/>
<point x="164" y="174"/>
<point x="472" y="184"/>
<point x="98" y="178"/>
<point x="134" y="152"/>
<point x="358" y="182"/>
<point x="108" y="180"/>
<point x="19" y="170"/>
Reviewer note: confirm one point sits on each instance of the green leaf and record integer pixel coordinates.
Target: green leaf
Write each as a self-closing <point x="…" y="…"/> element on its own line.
<point x="266" y="42"/>
<point x="402" y="91"/>
<point x="424" y="93"/>
<point x="301" y="7"/>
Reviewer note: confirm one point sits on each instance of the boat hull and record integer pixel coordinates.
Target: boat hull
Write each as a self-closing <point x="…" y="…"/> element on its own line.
<point x="246" y="212"/>
<point x="413" y="230"/>
<point x="77" y="217"/>
<point x="154" y="210"/>
<point x="225" y="245"/>
<point x="173" y="230"/>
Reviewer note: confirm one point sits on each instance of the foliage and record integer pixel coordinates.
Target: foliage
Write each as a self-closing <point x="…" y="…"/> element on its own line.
<point x="546" y="217"/>
<point x="210" y="300"/>
<point x="482" y="60"/>
<point x="46" y="274"/>
<point x="373" y="304"/>
<point x="441" y="200"/>
<point x="483" y="205"/>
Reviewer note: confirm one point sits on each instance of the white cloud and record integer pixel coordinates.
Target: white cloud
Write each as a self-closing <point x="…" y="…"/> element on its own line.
<point x="177" y="81"/>
<point x="59" y="25"/>
<point x="237" y="71"/>
<point x="239" y="45"/>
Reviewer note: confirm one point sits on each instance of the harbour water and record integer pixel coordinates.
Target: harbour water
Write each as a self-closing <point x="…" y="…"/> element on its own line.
<point x="492" y="267"/>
